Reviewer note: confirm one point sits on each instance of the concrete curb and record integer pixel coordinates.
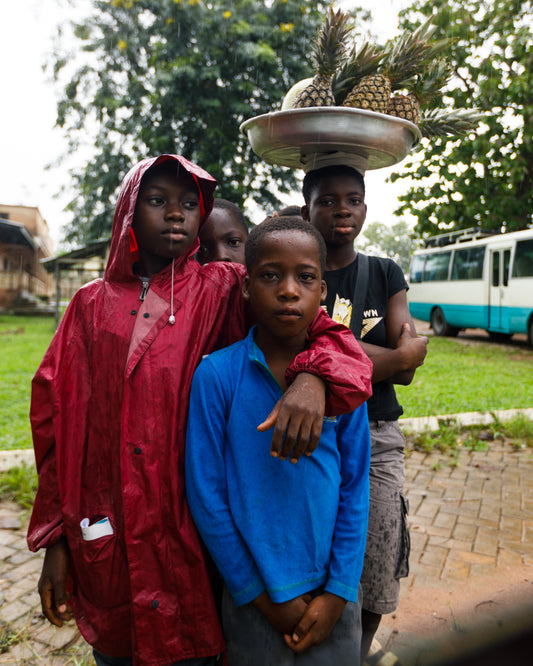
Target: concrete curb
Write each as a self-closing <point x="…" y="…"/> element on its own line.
<point x="17" y="458"/>
<point x="431" y="423"/>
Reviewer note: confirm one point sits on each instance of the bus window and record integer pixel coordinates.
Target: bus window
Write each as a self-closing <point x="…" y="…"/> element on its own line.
<point x="468" y="263"/>
<point x="417" y="268"/>
<point x="523" y="259"/>
<point x="495" y="269"/>
<point x="437" y="266"/>
<point x="506" y="262"/>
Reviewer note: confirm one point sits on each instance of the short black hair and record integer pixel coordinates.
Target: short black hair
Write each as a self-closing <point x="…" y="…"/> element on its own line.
<point x="273" y="225"/>
<point x="234" y="210"/>
<point x="293" y="211"/>
<point x="312" y="178"/>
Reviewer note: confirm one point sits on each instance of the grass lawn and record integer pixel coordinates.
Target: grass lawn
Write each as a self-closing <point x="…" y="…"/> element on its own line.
<point x="463" y="375"/>
<point x="459" y="375"/>
<point x="23" y="342"/>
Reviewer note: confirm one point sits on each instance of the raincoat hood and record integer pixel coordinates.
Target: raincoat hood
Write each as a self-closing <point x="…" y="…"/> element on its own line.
<point x="123" y="245"/>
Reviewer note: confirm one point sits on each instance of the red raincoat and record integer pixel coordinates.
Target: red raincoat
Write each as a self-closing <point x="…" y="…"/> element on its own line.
<point x="109" y="412"/>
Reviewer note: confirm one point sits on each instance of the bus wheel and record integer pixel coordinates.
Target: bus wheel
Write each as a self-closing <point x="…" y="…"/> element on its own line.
<point x="440" y="326"/>
<point x="530" y="332"/>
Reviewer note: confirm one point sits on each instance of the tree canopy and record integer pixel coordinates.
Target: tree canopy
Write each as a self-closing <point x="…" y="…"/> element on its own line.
<point x="395" y="241"/>
<point x="155" y="76"/>
<point x="485" y="179"/>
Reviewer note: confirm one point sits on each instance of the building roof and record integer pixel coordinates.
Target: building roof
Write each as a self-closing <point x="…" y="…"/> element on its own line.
<point x="14" y="233"/>
<point x="75" y="258"/>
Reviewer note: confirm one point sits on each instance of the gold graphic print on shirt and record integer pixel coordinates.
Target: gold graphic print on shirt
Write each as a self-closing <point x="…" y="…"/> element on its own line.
<point x="342" y="310"/>
<point x="370" y="319"/>
<point x="342" y="313"/>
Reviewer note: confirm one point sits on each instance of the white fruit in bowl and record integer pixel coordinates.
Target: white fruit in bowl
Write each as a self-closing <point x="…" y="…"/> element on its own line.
<point x="289" y="98"/>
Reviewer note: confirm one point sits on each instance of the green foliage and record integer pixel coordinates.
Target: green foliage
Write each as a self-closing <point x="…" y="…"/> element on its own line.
<point x="451" y="437"/>
<point x="23" y="342"/>
<point x="462" y="376"/>
<point x="156" y="76"/>
<point x="486" y="178"/>
<point x="396" y="242"/>
<point x="521" y="429"/>
<point x="473" y="443"/>
<point x="19" y="484"/>
<point x="9" y="636"/>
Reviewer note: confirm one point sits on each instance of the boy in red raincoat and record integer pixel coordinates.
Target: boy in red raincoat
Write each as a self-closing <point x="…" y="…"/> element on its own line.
<point x="109" y="413"/>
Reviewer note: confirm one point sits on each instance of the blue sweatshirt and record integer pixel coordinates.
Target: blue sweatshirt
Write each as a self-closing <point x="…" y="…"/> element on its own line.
<point x="270" y="524"/>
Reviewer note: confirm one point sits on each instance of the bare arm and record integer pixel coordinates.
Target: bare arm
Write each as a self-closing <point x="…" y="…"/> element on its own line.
<point x="405" y="351"/>
<point x="52" y="584"/>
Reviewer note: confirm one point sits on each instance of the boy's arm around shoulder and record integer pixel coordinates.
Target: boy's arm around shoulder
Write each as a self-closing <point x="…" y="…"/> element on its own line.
<point x="335" y="356"/>
<point x="206" y="485"/>
<point x="332" y="376"/>
<point x="333" y="371"/>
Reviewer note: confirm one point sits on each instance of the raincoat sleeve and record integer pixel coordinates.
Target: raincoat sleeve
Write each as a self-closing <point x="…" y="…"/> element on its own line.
<point x="335" y="355"/>
<point x="46" y="524"/>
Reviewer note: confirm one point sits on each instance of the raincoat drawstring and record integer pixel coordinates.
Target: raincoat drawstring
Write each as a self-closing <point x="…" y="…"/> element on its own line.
<point x="172" y="319"/>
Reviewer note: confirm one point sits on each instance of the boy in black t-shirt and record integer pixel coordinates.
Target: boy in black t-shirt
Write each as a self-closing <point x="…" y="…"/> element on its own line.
<point x="335" y="205"/>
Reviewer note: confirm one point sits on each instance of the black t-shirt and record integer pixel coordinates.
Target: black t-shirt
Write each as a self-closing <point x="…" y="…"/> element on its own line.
<point x="385" y="279"/>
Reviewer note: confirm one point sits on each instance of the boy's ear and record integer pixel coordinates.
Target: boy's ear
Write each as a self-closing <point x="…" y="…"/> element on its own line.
<point x="245" y="285"/>
<point x="305" y="212"/>
<point x="323" y="291"/>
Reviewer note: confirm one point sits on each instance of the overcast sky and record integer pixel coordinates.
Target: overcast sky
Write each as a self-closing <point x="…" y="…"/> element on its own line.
<point x="28" y="139"/>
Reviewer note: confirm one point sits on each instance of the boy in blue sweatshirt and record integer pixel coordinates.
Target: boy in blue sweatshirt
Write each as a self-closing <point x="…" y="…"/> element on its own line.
<point x="288" y="539"/>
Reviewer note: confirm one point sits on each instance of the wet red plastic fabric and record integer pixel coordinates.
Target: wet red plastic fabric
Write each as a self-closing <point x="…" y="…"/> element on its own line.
<point x="108" y="413"/>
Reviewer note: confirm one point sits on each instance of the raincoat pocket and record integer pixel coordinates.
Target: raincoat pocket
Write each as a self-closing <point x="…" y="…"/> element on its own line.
<point x="101" y="572"/>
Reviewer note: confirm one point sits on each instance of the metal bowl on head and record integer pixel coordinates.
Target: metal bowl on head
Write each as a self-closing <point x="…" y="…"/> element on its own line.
<point x="288" y="137"/>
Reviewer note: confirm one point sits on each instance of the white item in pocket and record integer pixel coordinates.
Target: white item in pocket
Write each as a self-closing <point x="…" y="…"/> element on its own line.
<point x="97" y="530"/>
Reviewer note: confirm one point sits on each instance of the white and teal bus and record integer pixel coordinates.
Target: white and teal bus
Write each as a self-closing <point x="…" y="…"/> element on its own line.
<point x="469" y="279"/>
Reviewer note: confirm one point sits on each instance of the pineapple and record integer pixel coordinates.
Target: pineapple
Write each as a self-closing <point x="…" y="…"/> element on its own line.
<point x="329" y="50"/>
<point x="403" y="61"/>
<point x="361" y="63"/>
<point x="425" y="90"/>
<point x="372" y="92"/>
<point x="404" y="106"/>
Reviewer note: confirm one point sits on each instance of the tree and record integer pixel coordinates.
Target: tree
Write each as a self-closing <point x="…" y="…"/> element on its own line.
<point x="486" y="178"/>
<point x="396" y="242"/>
<point x="179" y="76"/>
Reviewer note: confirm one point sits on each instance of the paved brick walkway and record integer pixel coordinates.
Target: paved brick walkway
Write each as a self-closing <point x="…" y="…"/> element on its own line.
<point x="25" y="636"/>
<point x="471" y="527"/>
<point x="471" y="563"/>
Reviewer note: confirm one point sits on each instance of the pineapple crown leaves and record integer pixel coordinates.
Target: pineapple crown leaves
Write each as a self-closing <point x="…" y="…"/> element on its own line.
<point x="410" y="54"/>
<point x="330" y="45"/>
<point x="442" y="123"/>
<point x="427" y="87"/>
<point x="361" y="62"/>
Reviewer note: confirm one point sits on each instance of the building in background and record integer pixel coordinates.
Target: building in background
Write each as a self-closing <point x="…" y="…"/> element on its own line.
<point x="24" y="243"/>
